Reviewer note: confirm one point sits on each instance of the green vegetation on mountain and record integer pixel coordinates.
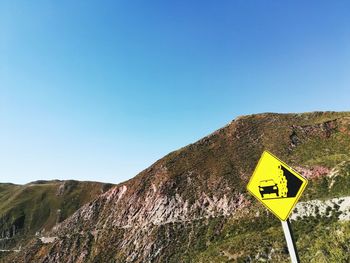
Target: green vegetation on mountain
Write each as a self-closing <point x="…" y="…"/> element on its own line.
<point x="192" y="205"/>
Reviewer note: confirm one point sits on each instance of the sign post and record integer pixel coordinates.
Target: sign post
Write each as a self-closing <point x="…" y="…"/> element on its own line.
<point x="290" y="241"/>
<point x="278" y="187"/>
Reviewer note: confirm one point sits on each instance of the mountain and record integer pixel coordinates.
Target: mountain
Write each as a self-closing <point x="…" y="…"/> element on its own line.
<point x="29" y="210"/>
<point x="192" y="205"/>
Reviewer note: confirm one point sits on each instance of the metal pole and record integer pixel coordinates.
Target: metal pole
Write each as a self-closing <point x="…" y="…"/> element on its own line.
<point x="290" y="241"/>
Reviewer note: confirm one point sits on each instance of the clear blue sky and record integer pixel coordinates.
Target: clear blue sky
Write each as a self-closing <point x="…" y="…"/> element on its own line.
<point x="99" y="90"/>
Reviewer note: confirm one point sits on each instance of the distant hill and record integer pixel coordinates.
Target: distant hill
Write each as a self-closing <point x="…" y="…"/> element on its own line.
<point x="28" y="210"/>
<point x="192" y="205"/>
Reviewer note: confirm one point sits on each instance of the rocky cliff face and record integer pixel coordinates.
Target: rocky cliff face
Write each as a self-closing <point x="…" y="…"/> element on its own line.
<point x="192" y="206"/>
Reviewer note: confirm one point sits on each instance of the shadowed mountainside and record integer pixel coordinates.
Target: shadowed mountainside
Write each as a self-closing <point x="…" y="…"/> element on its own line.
<point x="28" y="210"/>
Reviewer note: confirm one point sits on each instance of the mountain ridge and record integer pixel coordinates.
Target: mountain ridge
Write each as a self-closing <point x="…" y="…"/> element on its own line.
<point x="176" y="209"/>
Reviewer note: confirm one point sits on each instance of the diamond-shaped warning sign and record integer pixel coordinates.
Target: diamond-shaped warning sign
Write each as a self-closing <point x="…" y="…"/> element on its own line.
<point x="276" y="185"/>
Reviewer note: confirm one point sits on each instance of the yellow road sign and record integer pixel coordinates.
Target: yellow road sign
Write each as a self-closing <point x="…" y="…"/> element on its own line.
<point x="276" y="185"/>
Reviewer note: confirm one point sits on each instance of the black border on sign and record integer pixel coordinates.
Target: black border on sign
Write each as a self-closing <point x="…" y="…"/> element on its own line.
<point x="301" y="190"/>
